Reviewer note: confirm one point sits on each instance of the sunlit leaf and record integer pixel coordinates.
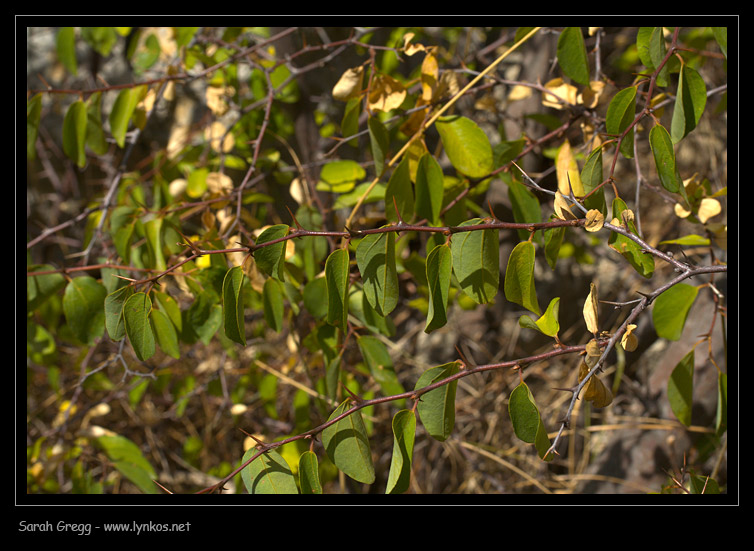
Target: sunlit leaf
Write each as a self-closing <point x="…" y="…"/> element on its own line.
<point x="466" y="145"/>
<point x="664" y="156"/>
<point x="267" y="474"/>
<point x="595" y="391"/>
<point x="123" y="110"/>
<point x="591" y="310"/>
<point x="165" y="333"/>
<point x="681" y="388"/>
<point x="438" y="267"/>
<point x="114" y="321"/>
<point x="272" y="299"/>
<point x="270" y="259"/>
<point x="437" y="408"/>
<point x="689" y="103"/>
<point x="620" y="114"/>
<point x="347" y="445"/>
<point x="548" y="323"/>
<point x="526" y="420"/>
<point x="476" y="257"/>
<point x="336" y="277"/>
<point x="375" y="257"/>
<point x="404" y="431"/>
<point x="519" y="284"/>
<point x="671" y="310"/>
<point x="572" y="55"/>
<point x="308" y="473"/>
<point x="74" y="133"/>
<point x="429" y="189"/>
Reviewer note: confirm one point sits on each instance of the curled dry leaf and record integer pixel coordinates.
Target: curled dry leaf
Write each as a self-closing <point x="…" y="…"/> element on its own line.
<point x="349" y="84"/>
<point x="558" y="92"/>
<point x="595" y="391"/>
<point x="562" y="210"/>
<point x="629" y="342"/>
<point x="594" y="220"/>
<point x="590" y="310"/>
<point x="386" y="94"/>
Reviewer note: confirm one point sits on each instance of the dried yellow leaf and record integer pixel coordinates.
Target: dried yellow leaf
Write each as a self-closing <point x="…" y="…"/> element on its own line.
<point x="386" y="94"/>
<point x="567" y="171"/>
<point x="349" y="84"/>
<point x="562" y="210"/>
<point x="558" y="92"/>
<point x="219" y="138"/>
<point x="215" y="98"/>
<point x="519" y="92"/>
<point x="591" y="309"/>
<point x="590" y="96"/>
<point x="410" y="49"/>
<point x="595" y="391"/>
<point x="708" y="208"/>
<point x="593" y="353"/>
<point x="430" y="74"/>
<point x="628" y="341"/>
<point x="594" y="220"/>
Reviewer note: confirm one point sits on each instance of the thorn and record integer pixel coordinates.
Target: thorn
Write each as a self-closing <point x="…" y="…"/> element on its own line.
<point x="397" y="213"/>
<point x="354" y="397"/>
<point x="492" y="212"/>
<point x="353" y="233"/>
<point x="298" y="226"/>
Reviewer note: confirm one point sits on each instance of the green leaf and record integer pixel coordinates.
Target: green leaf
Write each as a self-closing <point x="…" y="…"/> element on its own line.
<point x="114" y="320"/>
<point x="466" y="145"/>
<point x="65" y="43"/>
<point x="83" y="306"/>
<point x="572" y="55"/>
<point x="42" y="287"/>
<point x="272" y="297"/>
<point x="519" y="277"/>
<point x="681" y="388"/>
<point x="691" y="240"/>
<point x="548" y="323"/>
<point x="404" y="432"/>
<point x="721" y="415"/>
<point x="270" y="259"/>
<point x="336" y="276"/>
<point x="315" y="297"/>
<point x="689" y="103"/>
<point x="308" y="473"/>
<point x="233" y="305"/>
<point x="153" y="231"/>
<point x="95" y="133"/>
<point x="377" y="359"/>
<point x="203" y="318"/>
<point x="268" y="474"/>
<point x="620" y="114"/>
<point x="526" y="208"/>
<point x="123" y="110"/>
<point x="650" y="45"/>
<point x="170" y="307"/>
<point x="429" y="189"/>
<point x="671" y="310"/>
<point x="721" y="36"/>
<point x="591" y="177"/>
<point x="437" y="408"/>
<point x="378" y="139"/>
<point x="526" y="420"/>
<point x="375" y="257"/>
<point x="633" y="252"/>
<point x="129" y="461"/>
<point x="165" y="332"/>
<point x="553" y="241"/>
<point x="349" y="124"/>
<point x="438" y="267"/>
<point x="74" y="133"/>
<point x="400" y="192"/>
<point x="33" y="114"/>
<point x="136" y="313"/>
<point x="347" y="445"/>
<point x="340" y="176"/>
<point x="476" y="257"/>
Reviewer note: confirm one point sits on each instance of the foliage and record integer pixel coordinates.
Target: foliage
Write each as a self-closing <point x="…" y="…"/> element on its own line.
<point x="322" y="195"/>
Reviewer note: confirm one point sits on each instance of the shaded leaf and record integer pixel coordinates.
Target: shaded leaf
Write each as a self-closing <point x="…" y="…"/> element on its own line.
<point x="664" y="156"/>
<point x="165" y="332"/>
<point x="378" y="139"/>
<point x="123" y="110"/>
<point x="429" y="189"/>
<point x="681" y="388"/>
<point x="437" y="408"/>
<point x="74" y="133"/>
<point x="308" y="473"/>
<point x="400" y="192"/>
<point x="689" y="103"/>
<point x="404" y="432"/>
<point x="136" y="312"/>
<point x="572" y="55"/>
<point x="347" y="445"/>
<point x="620" y="114"/>
<point x="129" y="461"/>
<point x="270" y="259"/>
<point x="633" y="252"/>
<point x="526" y="420"/>
<point x="272" y="298"/>
<point x="114" y="321"/>
<point x="438" y="267"/>
<point x="336" y="277"/>
<point x="476" y="258"/>
<point x="519" y="277"/>
<point x="377" y="359"/>
<point x="375" y="257"/>
<point x="595" y="391"/>
<point x="83" y="306"/>
<point x="268" y="474"/>
<point x="233" y="305"/>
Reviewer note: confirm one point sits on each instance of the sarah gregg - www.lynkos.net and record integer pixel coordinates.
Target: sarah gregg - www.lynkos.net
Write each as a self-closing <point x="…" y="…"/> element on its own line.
<point x="85" y="529"/>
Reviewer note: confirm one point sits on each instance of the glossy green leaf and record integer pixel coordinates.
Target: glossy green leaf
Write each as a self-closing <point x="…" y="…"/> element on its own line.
<point x="526" y="207"/>
<point x="690" y="100"/>
<point x="400" y="193"/>
<point x="591" y="178"/>
<point x="681" y="389"/>
<point x="572" y="55"/>
<point x="630" y="250"/>
<point x="336" y="277"/>
<point x="33" y="115"/>
<point x="164" y="331"/>
<point x="136" y="312"/>
<point x="272" y="298"/>
<point x="375" y="257"/>
<point x="377" y="359"/>
<point x="439" y="266"/>
<point x="671" y="310"/>
<point x="721" y="414"/>
<point x="270" y="259"/>
<point x="620" y="114"/>
<point x="83" y="306"/>
<point x="74" y="133"/>
<point x="340" y="176"/>
<point x="123" y="110"/>
<point x="476" y="257"/>
<point x="130" y="462"/>
<point x="65" y="44"/>
<point x="347" y="445"/>
<point x="42" y="287"/>
<point x="519" y="277"/>
<point x="95" y="133"/>
<point x="379" y="140"/>
<point x="466" y="145"/>
<point x="437" y="408"/>
<point x="153" y="231"/>
<point x="664" y="156"/>
<point x="114" y="320"/>
<point x="308" y="473"/>
<point x="233" y="305"/>
<point x="429" y="189"/>
<point x="547" y="323"/>
<point x="268" y="474"/>
<point x="526" y="420"/>
<point x="404" y="432"/>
